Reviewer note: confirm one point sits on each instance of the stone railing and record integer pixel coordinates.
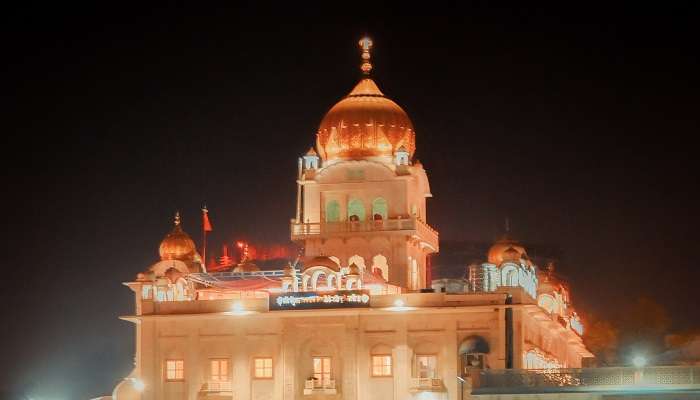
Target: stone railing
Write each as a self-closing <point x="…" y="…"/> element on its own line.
<point x="217" y="386"/>
<point x="305" y="230"/>
<point x="315" y="386"/>
<point x="427" y="233"/>
<point x="586" y="380"/>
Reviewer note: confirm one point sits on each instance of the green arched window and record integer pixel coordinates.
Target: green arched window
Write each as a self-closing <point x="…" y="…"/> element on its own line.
<point x="356" y="210"/>
<point x="332" y="211"/>
<point x="379" y="209"/>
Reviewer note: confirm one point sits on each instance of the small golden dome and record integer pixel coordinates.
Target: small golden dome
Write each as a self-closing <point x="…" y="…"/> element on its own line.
<point x="177" y="245"/>
<point x="506" y="249"/>
<point x="321" y="261"/>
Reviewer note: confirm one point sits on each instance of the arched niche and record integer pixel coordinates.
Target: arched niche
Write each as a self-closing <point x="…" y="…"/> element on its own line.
<point x="318" y="277"/>
<point x="474" y="344"/>
<point x="381" y="349"/>
<point x="356" y="210"/>
<point x="380" y="209"/>
<point x="472" y="354"/>
<point x="547" y="302"/>
<point x="332" y="211"/>
<point x="379" y="262"/>
<point x="509" y="275"/>
<point x="357" y="260"/>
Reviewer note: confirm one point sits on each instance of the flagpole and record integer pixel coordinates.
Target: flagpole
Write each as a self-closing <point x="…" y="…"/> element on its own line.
<point x="204" y="240"/>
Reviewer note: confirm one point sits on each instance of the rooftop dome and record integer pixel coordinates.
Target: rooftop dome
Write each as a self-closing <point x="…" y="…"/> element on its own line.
<point x="177" y="245"/>
<point x="506" y="249"/>
<point x="321" y="261"/>
<point x="365" y="123"/>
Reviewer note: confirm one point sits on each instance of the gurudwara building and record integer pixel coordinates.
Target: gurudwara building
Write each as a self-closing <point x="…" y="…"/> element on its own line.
<point x="357" y="314"/>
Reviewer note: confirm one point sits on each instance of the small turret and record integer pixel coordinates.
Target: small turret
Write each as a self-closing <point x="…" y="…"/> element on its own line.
<point x="401" y="156"/>
<point x="352" y="278"/>
<point x="311" y="159"/>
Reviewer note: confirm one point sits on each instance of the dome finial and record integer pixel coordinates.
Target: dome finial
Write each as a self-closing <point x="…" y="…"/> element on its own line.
<point x="177" y="218"/>
<point x="366" y="46"/>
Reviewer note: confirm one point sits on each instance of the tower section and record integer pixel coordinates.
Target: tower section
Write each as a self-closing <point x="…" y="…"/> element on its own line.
<point x="361" y="198"/>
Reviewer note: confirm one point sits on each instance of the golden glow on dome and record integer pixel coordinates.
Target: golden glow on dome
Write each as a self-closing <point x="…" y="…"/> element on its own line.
<point x="177" y="245"/>
<point x="506" y="249"/>
<point x="365" y="123"/>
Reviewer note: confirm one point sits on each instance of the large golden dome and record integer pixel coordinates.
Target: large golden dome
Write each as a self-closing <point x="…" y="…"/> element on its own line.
<point x="177" y="245"/>
<point x="365" y="123"/>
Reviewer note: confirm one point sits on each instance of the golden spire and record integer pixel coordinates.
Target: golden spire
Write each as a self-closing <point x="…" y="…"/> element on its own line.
<point x="177" y="218"/>
<point x="366" y="46"/>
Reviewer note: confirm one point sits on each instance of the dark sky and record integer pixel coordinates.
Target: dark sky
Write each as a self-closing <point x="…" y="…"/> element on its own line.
<point x="578" y="124"/>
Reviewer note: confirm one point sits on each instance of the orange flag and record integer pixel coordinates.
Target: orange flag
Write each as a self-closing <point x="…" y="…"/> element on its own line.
<point x="205" y="220"/>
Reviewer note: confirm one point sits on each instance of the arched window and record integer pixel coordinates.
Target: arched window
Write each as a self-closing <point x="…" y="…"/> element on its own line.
<point x="379" y="209"/>
<point x="332" y="211"/>
<point x="509" y="275"/>
<point x="319" y="278"/>
<point x="512" y="278"/>
<point x="356" y="210"/>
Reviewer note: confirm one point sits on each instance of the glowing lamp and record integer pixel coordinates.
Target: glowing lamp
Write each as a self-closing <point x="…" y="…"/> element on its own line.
<point x="399" y="305"/>
<point x="238" y="309"/>
<point x="137" y="384"/>
<point x="639" y="361"/>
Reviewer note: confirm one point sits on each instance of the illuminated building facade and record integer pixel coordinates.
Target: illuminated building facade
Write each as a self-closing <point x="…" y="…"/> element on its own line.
<point x="357" y="315"/>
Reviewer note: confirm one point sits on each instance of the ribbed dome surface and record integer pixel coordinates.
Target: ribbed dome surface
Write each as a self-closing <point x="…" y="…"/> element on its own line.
<point x="177" y="245"/>
<point x="364" y="124"/>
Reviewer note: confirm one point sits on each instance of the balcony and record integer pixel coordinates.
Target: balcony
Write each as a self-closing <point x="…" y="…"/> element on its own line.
<point x="588" y="380"/>
<point x="315" y="386"/>
<point x="215" y="389"/>
<point x="427" y="385"/>
<point x="409" y="226"/>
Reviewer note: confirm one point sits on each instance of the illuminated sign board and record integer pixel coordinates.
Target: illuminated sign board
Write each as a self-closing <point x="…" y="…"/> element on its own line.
<point x="319" y="300"/>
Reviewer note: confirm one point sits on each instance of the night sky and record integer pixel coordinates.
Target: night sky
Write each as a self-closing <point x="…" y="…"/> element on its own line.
<point x="577" y="124"/>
